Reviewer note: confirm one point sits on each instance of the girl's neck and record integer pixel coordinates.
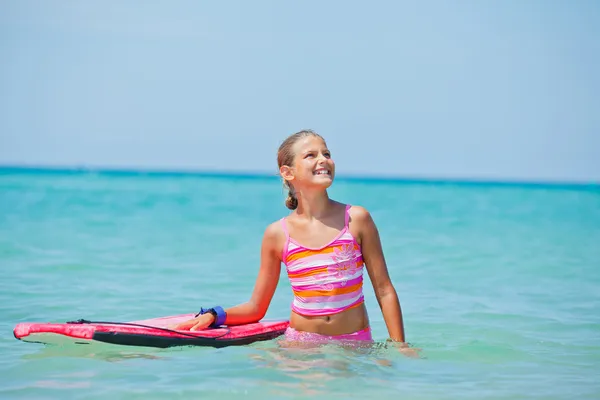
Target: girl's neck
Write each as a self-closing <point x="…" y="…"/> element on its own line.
<point x="312" y="205"/>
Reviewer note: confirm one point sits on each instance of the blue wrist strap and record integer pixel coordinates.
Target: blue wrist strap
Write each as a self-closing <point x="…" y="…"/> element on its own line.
<point x="219" y="319"/>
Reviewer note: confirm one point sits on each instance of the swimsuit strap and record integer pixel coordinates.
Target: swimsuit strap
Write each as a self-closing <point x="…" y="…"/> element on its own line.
<point x="347" y="216"/>
<point x="284" y="252"/>
<point x="284" y="226"/>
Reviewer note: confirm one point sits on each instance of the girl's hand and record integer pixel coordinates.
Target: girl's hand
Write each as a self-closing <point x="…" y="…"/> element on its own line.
<point x="196" y="324"/>
<point x="406" y="349"/>
<point x="410" y="352"/>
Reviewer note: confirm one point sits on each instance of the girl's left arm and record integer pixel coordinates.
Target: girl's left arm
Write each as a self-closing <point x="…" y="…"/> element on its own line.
<point x="378" y="273"/>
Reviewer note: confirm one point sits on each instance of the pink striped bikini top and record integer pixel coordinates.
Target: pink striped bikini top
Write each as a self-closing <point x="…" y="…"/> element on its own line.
<point x="327" y="280"/>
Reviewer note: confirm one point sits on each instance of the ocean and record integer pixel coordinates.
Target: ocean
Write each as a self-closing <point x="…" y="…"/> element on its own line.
<point x="499" y="285"/>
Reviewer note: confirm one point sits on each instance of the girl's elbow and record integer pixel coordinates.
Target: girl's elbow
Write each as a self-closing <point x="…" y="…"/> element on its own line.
<point x="386" y="291"/>
<point x="259" y="312"/>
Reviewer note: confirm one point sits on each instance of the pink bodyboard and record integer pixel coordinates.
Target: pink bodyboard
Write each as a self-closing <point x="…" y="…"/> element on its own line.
<point x="150" y="332"/>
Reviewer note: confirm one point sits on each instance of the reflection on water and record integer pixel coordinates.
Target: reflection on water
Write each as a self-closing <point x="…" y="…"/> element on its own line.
<point x="101" y="351"/>
<point x="314" y="369"/>
<point x="274" y="368"/>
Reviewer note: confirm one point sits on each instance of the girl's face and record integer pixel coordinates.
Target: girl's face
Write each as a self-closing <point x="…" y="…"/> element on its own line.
<point x="312" y="165"/>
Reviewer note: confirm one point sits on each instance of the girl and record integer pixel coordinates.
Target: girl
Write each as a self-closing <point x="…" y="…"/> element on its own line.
<point x="325" y="246"/>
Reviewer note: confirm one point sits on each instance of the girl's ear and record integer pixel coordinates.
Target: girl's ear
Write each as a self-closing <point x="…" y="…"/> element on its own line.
<point x="286" y="173"/>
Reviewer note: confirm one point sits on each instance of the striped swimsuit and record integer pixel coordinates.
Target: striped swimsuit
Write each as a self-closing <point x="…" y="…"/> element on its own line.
<point x="327" y="280"/>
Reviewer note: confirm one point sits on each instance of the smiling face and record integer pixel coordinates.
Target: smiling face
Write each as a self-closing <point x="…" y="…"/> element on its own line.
<point x="312" y="165"/>
<point x="305" y="161"/>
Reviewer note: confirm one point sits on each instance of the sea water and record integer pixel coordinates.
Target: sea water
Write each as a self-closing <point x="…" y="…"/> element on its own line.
<point x="499" y="285"/>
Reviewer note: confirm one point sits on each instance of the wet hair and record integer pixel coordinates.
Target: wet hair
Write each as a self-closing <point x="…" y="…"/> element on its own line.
<point x="285" y="156"/>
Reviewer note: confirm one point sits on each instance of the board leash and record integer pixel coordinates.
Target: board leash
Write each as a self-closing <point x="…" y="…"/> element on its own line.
<point x="85" y="321"/>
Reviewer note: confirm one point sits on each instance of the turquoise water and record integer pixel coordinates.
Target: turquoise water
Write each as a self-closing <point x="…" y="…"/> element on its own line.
<point x="499" y="284"/>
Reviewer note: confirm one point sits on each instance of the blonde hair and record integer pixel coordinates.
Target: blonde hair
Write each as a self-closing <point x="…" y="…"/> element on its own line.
<point x="285" y="156"/>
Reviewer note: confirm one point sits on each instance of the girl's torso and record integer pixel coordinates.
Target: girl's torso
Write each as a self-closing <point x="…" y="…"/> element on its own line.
<point x="326" y="277"/>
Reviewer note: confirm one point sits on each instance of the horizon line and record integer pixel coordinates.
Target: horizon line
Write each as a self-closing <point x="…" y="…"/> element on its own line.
<point x="174" y="171"/>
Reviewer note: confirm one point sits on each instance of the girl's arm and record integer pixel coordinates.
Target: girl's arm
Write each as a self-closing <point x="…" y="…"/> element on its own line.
<point x="264" y="289"/>
<point x="378" y="273"/>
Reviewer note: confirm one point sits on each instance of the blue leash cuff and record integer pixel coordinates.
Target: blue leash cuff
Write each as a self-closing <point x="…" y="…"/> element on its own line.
<point x="218" y="311"/>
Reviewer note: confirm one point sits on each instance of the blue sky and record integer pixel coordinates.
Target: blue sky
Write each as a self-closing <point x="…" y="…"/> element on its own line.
<point x="470" y="89"/>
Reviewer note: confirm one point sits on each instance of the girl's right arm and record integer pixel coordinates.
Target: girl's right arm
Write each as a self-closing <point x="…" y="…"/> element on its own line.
<point x="264" y="289"/>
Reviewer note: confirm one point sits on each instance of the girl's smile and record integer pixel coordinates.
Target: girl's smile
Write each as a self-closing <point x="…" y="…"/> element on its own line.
<point x="313" y="160"/>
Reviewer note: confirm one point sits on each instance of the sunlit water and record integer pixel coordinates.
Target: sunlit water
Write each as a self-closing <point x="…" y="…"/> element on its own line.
<point x="499" y="284"/>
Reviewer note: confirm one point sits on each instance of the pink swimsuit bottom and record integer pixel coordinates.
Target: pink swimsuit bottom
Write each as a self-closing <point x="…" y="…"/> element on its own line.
<point x="299" y="336"/>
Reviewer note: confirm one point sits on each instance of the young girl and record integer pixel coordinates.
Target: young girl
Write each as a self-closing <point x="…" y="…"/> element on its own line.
<point x="325" y="246"/>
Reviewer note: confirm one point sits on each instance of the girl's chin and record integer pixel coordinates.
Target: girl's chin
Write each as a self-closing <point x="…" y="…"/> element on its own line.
<point x="322" y="182"/>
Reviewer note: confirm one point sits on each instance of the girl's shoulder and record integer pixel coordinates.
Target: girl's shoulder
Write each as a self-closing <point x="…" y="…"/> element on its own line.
<point x="359" y="214"/>
<point x="275" y="229"/>
<point x="361" y="223"/>
<point x="273" y="241"/>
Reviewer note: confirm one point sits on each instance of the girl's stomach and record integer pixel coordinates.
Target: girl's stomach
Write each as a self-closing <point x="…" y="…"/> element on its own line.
<point x="348" y="321"/>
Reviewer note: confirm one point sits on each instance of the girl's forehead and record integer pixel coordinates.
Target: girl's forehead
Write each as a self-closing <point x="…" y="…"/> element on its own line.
<point x="309" y="143"/>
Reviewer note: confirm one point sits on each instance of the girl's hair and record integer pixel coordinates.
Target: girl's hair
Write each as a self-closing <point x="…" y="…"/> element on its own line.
<point x="285" y="156"/>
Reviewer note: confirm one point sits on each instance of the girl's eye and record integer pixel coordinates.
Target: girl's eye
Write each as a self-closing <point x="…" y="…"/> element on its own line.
<point x="327" y="154"/>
